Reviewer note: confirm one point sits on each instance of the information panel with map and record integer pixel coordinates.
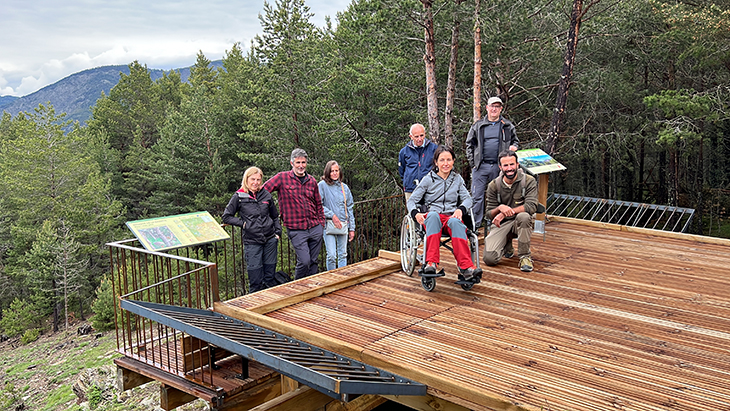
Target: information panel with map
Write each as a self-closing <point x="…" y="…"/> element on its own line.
<point x="166" y="233"/>
<point x="537" y="161"/>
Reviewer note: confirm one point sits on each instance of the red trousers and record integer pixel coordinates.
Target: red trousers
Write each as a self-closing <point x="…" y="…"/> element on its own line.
<point x="436" y="223"/>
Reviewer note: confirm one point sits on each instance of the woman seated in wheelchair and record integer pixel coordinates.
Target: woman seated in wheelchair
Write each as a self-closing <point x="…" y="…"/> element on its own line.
<point x="441" y="202"/>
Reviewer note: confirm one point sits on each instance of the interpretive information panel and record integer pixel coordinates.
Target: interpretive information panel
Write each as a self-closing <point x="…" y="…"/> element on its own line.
<point x="165" y="233"/>
<point x="537" y="161"/>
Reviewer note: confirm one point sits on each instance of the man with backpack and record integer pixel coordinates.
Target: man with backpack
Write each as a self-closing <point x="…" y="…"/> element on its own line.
<point x="511" y="205"/>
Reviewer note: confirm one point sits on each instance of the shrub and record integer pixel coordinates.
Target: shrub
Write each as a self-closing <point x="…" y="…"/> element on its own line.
<point x="95" y="395"/>
<point x="10" y="398"/>
<point x="18" y="318"/>
<point x="103" y="306"/>
<point x="30" y="335"/>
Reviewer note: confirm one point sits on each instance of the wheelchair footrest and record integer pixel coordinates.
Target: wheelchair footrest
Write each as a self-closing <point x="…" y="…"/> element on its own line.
<point x="476" y="279"/>
<point x="462" y="281"/>
<point x="438" y="274"/>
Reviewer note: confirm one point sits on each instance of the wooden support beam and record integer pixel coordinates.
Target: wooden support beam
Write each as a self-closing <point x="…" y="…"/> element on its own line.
<point x="301" y="399"/>
<point x="361" y="403"/>
<point x="253" y="397"/>
<point x="171" y="398"/>
<point x="542" y="191"/>
<point x="389" y="255"/>
<point x="425" y="403"/>
<point x="128" y="379"/>
<point x="206" y="394"/>
<point x="288" y="384"/>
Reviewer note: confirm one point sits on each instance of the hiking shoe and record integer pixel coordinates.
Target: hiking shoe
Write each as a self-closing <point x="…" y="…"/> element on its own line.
<point x="467" y="273"/>
<point x="430" y="268"/>
<point x="526" y="264"/>
<point x="509" y="250"/>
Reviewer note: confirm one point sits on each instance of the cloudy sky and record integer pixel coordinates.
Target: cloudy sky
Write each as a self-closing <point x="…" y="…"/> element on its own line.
<point x="43" y="41"/>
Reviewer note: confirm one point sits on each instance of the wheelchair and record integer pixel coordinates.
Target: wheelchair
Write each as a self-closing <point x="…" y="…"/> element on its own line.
<point x="412" y="251"/>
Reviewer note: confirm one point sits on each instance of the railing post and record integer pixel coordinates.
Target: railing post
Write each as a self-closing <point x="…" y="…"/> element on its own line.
<point x="215" y="296"/>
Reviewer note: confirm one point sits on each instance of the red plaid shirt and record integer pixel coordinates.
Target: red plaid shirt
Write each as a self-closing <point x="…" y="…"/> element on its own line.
<point x="300" y="204"/>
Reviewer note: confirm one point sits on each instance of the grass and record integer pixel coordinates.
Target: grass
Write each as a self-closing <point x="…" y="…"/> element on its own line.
<point x="47" y="368"/>
<point x="41" y="375"/>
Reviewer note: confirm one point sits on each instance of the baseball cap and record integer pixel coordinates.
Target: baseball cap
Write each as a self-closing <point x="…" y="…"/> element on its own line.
<point x="493" y="100"/>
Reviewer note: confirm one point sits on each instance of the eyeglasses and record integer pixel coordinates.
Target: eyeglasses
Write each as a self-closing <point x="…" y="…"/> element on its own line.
<point x="495" y="106"/>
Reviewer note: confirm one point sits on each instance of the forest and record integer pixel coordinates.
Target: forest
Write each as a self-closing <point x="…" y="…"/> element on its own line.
<point x="630" y="95"/>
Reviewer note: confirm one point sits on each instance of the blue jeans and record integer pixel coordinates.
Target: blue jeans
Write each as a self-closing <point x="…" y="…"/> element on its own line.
<point x="336" y="250"/>
<point x="307" y="244"/>
<point x="261" y="264"/>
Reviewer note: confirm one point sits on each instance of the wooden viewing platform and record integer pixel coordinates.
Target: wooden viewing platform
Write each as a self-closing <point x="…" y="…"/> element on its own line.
<point x="610" y="318"/>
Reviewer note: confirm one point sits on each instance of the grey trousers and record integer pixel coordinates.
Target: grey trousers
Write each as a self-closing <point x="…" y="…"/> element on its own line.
<point x="306" y="244"/>
<point x="480" y="178"/>
<point x="521" y="227"/>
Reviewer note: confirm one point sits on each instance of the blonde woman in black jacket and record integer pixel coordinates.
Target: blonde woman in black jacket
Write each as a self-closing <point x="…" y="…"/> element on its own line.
<point x="258" y="218"/>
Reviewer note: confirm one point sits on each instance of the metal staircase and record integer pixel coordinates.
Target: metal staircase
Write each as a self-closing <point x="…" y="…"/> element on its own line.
<point x="334" y="375"/>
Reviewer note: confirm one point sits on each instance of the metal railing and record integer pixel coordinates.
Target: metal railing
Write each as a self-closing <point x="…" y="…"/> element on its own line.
<point x="197" y="276"/>
<point x="658" y="217"/>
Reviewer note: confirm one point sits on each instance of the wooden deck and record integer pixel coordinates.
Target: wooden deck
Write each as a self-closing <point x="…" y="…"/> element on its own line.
<point x="609" y="319"/>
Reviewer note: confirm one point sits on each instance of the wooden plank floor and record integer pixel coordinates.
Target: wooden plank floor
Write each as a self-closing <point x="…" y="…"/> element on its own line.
<point x="608" y="319"/>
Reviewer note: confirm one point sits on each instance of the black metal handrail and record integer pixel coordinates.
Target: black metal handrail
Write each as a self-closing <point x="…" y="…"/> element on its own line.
<point x="657" y="217"/>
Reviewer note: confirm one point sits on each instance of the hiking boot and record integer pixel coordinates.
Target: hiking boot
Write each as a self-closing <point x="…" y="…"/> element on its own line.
<point x="467" y="273"/>
<point x="526" y="264"/>
<point x="509" y="250"/>
<point x="430" y="268"/>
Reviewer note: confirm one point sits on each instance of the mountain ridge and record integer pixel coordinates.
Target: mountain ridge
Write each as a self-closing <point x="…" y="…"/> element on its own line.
<point x="77" y="93"/>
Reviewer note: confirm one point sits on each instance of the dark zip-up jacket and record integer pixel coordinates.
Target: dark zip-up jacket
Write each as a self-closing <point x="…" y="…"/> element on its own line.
<point x="257" y="215"/>
<point x="475" y="143"/>
<point x="414" y="163"/>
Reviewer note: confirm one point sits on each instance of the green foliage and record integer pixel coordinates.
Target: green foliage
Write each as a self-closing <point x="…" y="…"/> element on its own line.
<point x="18" y="318"/>
<point x="30" y="335"/>
<point x="95" y="395"/>
<point x="10" y="398"/>
<point x="681" y="112"/>
<point x="103" y="306"/>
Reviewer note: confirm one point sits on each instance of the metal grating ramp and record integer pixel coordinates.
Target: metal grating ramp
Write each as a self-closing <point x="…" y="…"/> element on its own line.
<point x="337" y="376"/>
<point x="658" y="217"/>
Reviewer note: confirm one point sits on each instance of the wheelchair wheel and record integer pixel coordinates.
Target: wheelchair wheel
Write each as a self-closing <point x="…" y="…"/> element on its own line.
<point x="474" y="248"/>
<point x="409" y="242"/>
<point x="467" y="287"/>
<point x="428" y="283"/>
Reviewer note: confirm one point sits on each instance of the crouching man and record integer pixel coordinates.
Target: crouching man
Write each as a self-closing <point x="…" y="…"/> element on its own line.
<point x="511" y="206"/>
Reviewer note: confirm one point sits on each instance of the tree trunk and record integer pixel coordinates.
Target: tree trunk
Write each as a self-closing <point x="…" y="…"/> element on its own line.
<point x="673" y="177"/>
<point x="662" y="189"/>
<point x="451" y="82"/>
<point x="477" y="105"/>
<point x="65" y="294"/>
<point x="430" y="59"/>
<point x="56" y="316"/>
<point x="561" y="99"/>
<point x="700" y="184"/>
<point x="642" y="155"/>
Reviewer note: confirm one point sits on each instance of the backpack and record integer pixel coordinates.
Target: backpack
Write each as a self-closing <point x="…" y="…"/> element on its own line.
<point x="281" y="277"/>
